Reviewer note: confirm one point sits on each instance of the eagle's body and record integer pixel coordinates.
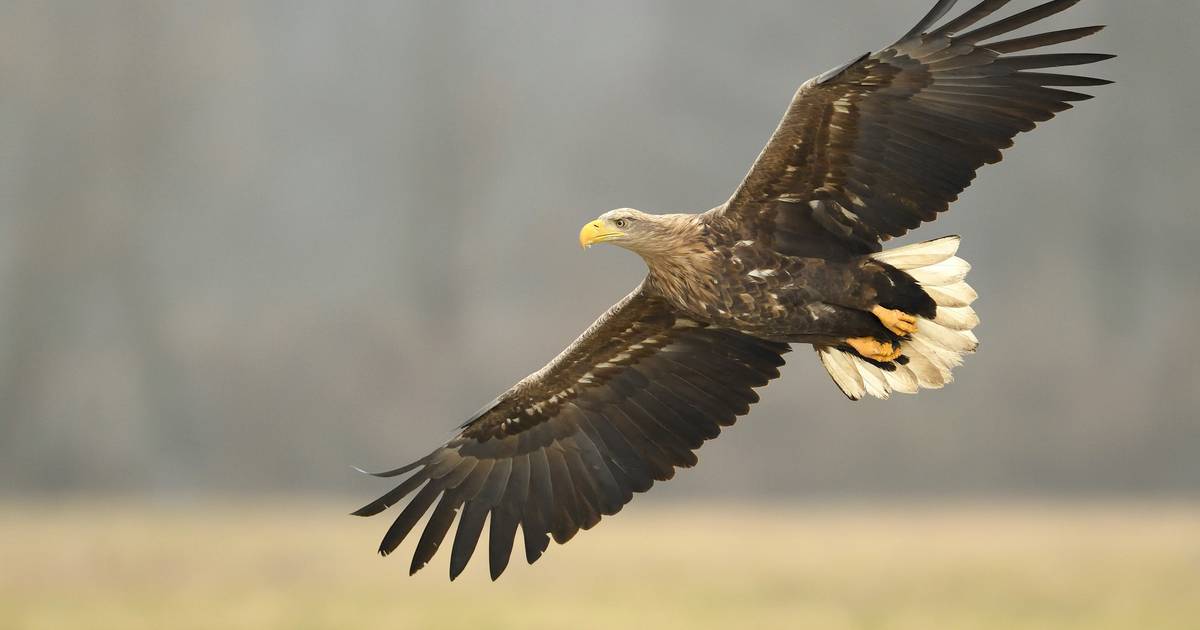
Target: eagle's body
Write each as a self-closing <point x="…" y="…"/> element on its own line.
<point x="709" y="273"/>
<point x="864" y="153"/>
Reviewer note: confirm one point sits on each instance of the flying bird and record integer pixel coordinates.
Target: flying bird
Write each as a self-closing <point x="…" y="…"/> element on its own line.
<point x="864" y="153"/>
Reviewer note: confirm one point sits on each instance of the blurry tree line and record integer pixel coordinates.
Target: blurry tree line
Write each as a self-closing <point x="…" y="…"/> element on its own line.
<point x="245" y="245"/>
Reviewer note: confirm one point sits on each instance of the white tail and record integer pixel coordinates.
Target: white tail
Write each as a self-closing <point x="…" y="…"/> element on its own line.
<point x="938" y="345"/>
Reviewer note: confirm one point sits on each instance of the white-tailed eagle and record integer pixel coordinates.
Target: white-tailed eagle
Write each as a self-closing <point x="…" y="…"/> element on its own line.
<point x="865" y="152"/>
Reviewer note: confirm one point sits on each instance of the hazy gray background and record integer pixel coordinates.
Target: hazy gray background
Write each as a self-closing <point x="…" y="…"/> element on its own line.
<point x="244" y="245"/>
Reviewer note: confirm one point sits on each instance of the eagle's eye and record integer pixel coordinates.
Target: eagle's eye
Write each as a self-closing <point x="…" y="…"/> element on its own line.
<point x="620" y="223"/>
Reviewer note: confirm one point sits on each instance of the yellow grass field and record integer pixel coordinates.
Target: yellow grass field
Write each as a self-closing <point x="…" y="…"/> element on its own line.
<point x="305" y="565"/>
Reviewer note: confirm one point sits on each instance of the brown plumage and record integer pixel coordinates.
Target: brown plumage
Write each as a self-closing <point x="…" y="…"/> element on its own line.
<point x="864" y="153"/>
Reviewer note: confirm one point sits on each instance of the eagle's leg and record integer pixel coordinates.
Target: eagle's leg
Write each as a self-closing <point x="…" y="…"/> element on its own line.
<point x="899" y="322"/>
<point x="874" y="349"/>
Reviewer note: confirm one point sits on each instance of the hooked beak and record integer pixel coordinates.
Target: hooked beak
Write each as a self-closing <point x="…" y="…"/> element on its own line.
<point x="596" y="232"/>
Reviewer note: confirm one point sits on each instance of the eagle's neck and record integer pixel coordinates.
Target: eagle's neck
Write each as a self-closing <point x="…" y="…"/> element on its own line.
<point x="682" y="262"/>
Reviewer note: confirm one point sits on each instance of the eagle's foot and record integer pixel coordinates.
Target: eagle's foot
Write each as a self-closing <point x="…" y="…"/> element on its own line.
<point x="898" y="322"/>
<point x="874" y="349"/>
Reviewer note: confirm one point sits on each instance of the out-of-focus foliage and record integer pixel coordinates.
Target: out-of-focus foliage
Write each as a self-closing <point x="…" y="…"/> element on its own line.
<point x="244" y="245"/>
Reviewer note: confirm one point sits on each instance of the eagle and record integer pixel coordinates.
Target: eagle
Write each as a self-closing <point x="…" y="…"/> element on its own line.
<point x="864" y="153"/>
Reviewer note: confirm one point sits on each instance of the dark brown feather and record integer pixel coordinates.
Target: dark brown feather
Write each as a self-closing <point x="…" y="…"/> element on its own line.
<point x="1009" y="24"/>
<point x="968" y="18"/>
<point x="1045" y="39"/>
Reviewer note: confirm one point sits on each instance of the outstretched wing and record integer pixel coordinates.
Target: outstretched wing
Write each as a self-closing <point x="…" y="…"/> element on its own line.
<point x="870" y="150"/>
<point x="625" y="404"/>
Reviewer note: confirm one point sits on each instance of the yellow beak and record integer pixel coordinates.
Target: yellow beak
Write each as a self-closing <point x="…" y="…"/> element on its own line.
<point x="596" y="232"/>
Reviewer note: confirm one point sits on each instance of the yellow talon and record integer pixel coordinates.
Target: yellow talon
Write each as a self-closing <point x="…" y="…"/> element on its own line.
<point x="874" y="349"/>
<point x="898" y="322"/>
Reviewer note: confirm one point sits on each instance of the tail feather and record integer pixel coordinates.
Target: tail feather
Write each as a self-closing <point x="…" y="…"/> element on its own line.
<point x="950" y="271"/>
<point x="955" y="295"/>
<point x="845" y="371"/>
<point x="956" y="318"/>
<point x="940" y="342"/>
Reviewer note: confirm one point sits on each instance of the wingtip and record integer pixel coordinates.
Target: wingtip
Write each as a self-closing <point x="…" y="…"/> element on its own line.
<point x="532" y="556"/>
<point x="371" y="509"/>
<point x="496" y="571"/>
<point x="938" y="11"/>
<point x="395" y="472"/>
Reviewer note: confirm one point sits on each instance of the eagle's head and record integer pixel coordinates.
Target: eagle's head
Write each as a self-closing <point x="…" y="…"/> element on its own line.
<point x="623" y="226"/>
<point x="650" y="235"/>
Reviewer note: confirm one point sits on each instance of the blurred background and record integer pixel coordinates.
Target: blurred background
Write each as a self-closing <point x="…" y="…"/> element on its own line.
<point x="247" y="245"/>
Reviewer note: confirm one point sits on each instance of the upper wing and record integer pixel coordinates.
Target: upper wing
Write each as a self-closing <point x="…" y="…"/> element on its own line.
<point x="868" y="151"/>
<point x="621" y="407"/>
